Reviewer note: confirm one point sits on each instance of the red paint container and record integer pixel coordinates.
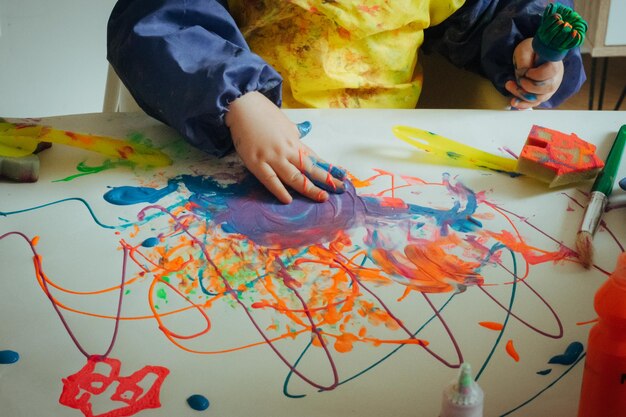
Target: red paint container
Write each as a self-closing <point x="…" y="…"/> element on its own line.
<point x="603" y="391"/>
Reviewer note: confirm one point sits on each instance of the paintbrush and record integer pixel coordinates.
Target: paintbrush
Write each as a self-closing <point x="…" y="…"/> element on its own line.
<point x="561" y="29"/>
<point x="600" y="192"/>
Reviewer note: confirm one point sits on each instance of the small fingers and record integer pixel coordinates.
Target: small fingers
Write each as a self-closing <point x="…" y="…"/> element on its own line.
<point x="547" y="86"/>
<point x="325" y="176"/>
<point x="524" y="99"/>
<point x="270" y="179"/>
<point x="293" y="177"/>
<point x="545" y="72"/>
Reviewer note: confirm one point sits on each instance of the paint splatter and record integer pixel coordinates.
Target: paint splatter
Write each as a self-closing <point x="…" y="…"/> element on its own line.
<point x="130" y="396"/>
<point x="491" y="325"/>
<point x="198" y="402"/>
<point x="571" y="354"/>
<point x="510" y="349"/>
<point x="150" y="242"/>
<point x="544" y="372"/>
<point x="8" y="357"/>
<point x="312" y="273"/>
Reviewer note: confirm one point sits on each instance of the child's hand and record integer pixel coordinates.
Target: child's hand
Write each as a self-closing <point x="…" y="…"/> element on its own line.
<point x="269" y="145"/>
<point x="534" y="85"/>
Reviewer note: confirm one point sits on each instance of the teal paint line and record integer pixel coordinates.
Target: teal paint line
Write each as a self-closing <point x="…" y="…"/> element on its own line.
<point x="290" y="373"/>
<point x="93" y="215"/>
<point x="506" y="320"/>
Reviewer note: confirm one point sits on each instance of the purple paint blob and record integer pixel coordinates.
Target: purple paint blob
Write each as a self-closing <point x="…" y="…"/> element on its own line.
<point x="301" y="223"/>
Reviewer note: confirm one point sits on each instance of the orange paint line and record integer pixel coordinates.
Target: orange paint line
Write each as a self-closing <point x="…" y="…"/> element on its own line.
<point x="158" y="316"/>
<point x="491" y="325"/>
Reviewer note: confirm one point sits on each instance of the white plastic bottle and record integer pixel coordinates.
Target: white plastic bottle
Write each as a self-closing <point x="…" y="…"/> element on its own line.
<point x="463" y="397"/>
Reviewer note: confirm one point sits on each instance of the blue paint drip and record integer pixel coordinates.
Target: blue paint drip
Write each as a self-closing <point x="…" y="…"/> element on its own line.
<point x="622" y="183"/>
<point x="304" y="128"/>
<point x="198" y="402"/>
<point x="150" y="242"/>
<point x="8" y="356"/>
<point x="124" y="196"/>
<point x="570" y="355"/>
<point x="544" y="372"/>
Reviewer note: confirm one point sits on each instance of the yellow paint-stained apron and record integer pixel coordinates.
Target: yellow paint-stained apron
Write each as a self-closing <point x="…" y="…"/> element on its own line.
<point x="342" y="53"/>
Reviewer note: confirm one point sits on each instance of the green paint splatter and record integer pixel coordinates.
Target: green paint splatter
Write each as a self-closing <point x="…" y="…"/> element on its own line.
<point x="140" y="138"/>
<point x="88" y="170"/>
<point x="161" y="293"/>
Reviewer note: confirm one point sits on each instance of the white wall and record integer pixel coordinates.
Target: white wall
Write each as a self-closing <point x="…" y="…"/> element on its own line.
<point x="52" y="56"/>
<point x="615" y="33"/>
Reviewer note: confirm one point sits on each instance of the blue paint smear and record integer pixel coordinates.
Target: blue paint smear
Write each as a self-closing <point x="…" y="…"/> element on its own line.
<point x="150" y="242"/>
<point x="8" y="357"/>
<point x="544" y="372"/>
<point x="570" y="356"/>
<point x="124" y="196"/>
<point x="335" y="171"/>
<point x="198" y="402"/>
<point x="622" y="183"/>
<point x="304" y="128"/>
<point x="230" y="205"/>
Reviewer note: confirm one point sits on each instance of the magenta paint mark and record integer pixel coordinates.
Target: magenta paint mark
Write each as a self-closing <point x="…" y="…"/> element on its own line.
<point x="92" y="381"/>
<point x="509" y="151"/>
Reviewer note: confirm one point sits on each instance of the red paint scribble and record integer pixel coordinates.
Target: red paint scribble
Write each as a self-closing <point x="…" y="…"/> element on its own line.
<point x="129" y="397"/>
<point x="510" y="349"/>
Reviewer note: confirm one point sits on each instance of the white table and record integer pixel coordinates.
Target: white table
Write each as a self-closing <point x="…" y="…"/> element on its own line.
<point x="523" y="226"/>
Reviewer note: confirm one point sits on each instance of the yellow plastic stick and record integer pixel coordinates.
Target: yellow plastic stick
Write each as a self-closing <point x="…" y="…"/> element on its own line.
<point x="21" y="139"/>
<point x="447" y="148"/>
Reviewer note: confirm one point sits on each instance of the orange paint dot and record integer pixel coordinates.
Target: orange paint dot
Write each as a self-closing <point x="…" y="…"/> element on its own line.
<point x="491" y="325"/>
<point x="510" y="349"/>
<point x="35" y="240"/>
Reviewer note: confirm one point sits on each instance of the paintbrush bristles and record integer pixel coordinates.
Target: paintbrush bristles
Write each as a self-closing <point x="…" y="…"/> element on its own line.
<point x="584" y="247"/>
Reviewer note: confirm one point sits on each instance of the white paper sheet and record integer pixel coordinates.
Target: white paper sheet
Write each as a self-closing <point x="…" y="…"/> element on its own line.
<point x="247" y="361"/>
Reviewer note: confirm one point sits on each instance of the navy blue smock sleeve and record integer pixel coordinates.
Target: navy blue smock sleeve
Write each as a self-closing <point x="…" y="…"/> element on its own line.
<point x="184" y="62"/>
<point x="482" y="35"/>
